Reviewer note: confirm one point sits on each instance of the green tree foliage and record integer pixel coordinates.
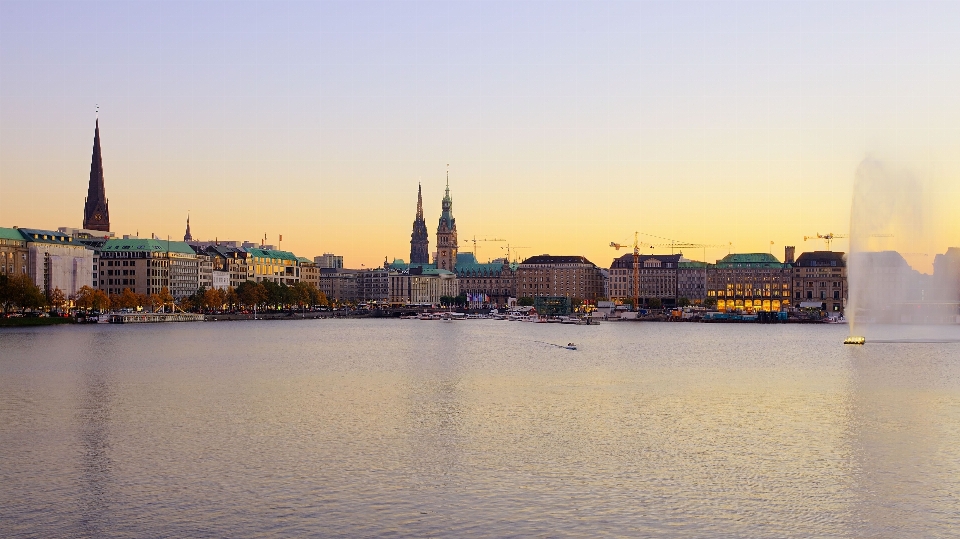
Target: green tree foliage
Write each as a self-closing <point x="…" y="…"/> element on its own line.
<point x="251" y="293"/>
<point x="19" y="292"/>
<point x="525" y="302"/>
<point x="683" y="302"/>
<point x="655" y="303"/>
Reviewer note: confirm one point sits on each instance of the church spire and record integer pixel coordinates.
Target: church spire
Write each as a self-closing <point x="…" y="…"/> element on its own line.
<point x="419" y="239"/>
<point x="188" y="236"/>
<point x="96" y="213"/>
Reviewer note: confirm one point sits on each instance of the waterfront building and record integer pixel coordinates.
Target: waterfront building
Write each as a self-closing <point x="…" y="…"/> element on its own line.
<point x="692" y="280"/>
<point x="231" y="260"/>
<point x="220" y="280"/>
<point x="96" y="211"/>
<point x="57" y="260"/>
<point x="421" y="285"/>
<point x="146" y="266"/>
<point x="339" y="285"/>
<point x="820" y="280"/>
<point x="204" y="265"/>
<point x="328" y="260"/>
<point x="309" y="271"/>
<point x="750" y="282"/>
<point x="13" y="252"/>
<point x="446" y="257"/>
<point x="491" y="283"/>
<point x="272" y="265"/>
<point x="572" y="277"/>
<point x="658" y="278"/>
<point x="373" y="285"/>
<point x="419" y="240"/>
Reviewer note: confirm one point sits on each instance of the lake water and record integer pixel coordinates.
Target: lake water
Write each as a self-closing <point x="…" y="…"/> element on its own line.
<point x="408" y="428"/>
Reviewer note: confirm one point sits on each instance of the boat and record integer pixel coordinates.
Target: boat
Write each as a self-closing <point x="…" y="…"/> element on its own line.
<point x="570" y="346"/>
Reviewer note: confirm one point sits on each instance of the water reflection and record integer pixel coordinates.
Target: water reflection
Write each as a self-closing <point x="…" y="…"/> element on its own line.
<point x="904" y="414"/>
<point x="93" y="430"/>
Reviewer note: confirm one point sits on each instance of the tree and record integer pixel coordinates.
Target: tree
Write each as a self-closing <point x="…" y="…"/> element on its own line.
<point x="461" y="300"/>
<point x="231" y="298"/>
<point x="683" y="302"/>
<point x="128" y="299"/>
<point x="300" y="292"/>
<point x="251" y="293"/>
<point x="525" y="302"/>
<point x="710" y="303"/>
<point x="655" y="303"/>
<point x="213" y="299"/>
<point x="56" y="298"/>
<point x="84" y="298"/>
<point x="166" y="298"/>
<point x="20" y="292"/>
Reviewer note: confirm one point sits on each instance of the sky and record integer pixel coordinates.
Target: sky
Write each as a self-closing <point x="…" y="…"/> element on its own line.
<point x="564" y="125"/>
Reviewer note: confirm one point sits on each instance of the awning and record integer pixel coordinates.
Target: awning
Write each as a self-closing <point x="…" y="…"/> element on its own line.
<point x="811" y="305"/>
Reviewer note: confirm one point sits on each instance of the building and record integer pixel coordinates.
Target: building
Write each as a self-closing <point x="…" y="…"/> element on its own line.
<point x="750" y="283"/>
<point x="96" y="211"/>
<point x="146" y="266"/>
<point x="373" y="285"/>
<point x="220" y="280"/>
<point x="658" y="278"/>
<point x="309" y="271"/>
<point x="421" y="286"/>
<point x="13" y="252"/>
<point x="820" y="278"/>
<point x="187" y="236"/>
<point x="419" y="241"/>
<point x="339" y="285"/>
<point x="328" y="260"/>
<point x="272" y="265"/>
<point x="446" y="257"/>
<point x="204" y="265"/>
<point x="572" y="277"/>
<point x="57" y="260"/>
<point x="486" y="284"/>
<point x="231" y="260"/>
<point x="692" y="280"/>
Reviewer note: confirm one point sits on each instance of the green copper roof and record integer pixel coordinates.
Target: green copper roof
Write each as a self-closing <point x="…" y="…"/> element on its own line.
<point x="10" y="234"/>
<point x="750" y="260"/>
<point x="273" y="253"/>
<point x="467" y="265"/>
<point x="147" y="245"/>
<point x="693" y="265"/>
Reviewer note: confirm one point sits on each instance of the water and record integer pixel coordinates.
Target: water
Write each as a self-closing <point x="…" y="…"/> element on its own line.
<point x="407" y="428"/>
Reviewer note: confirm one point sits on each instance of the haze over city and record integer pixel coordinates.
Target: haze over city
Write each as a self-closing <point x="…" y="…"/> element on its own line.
<point x="565" y="125"/>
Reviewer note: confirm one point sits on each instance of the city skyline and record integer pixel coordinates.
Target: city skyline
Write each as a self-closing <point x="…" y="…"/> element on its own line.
<point x="566" y="126"/>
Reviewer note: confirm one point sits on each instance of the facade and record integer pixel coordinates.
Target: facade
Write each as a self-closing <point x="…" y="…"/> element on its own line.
<point x="339" y="285"/>
<point x="692" y="281"/>
<point x="231" y="260"/>
<point x="146" y="266"/>
<point x="373" y="285"/>
<point x="821" y="277"/>
<point x="309" y="271"/>
<point x="13" y="252"/>
<point x="96" y="212"/>
<point x="57" y="260"/>
<point x="204" y="268"/>
<point x="750" y="283"/>
<point x="658" y="278"/>
<point x="328" y="260"/>
<point x="273" y="265"/>
<point x="559" y="276"/>
<point x="491" y="283"/>
<point x="419" y="241"/>
<point x="419" y="285"/>
<point x="220" y="280"/>
<point x="446" y="257"/>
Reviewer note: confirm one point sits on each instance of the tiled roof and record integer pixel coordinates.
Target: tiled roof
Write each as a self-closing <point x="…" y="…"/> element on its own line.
<point x="45" y="236"/>
<point x="750" y="260"/>
<point x="272" y="253"/>
<point x="467" y="265"/>
<point x="548" y="259"/>
<point x="626" y="261"/>
<point x="821" y="258"/>
<point x="10" y="234"/>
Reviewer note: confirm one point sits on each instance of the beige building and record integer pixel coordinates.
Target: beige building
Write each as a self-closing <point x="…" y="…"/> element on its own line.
<point x="339" y="285"/>
<point x="658" y="278"/>
<point x="146" y="266"/>
<point x="559" y="276"/>
<point x="13" y="252"/>
<point x="309" y="271"/>
<point x="231" y="260"/>
<point x="272" y="265"/>
<point x="750" y="283"/>
<point x="422" y="286"/>
<point x="820" y="277"/>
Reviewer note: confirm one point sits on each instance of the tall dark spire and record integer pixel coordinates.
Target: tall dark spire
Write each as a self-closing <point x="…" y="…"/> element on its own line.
<point x="96" y="213"/>
<point x="188" y="236"/>
<point x="419" y="239"/>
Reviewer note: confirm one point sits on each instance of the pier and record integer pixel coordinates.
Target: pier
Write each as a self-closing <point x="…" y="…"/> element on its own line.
<point x="150" y="318"/>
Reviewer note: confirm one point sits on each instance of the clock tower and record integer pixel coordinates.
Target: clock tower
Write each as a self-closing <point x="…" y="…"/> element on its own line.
<point x="447" y="234"/>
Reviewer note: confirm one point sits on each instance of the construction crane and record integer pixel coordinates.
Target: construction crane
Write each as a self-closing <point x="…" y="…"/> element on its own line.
<point x="678" y="245"/>
<point x="508" y="247"/>
<point x="830" y="236"/>
<point x="636" y="267"/>
<point x="475" y="240"/>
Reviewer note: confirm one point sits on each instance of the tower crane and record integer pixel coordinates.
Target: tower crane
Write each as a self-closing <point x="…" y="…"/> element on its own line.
<point x="830" y="236"/>
<point x="475" y="240"/>
<point x="678" y="245"/>
<point x="636" y="267"/>
<point x="509" y="247"/>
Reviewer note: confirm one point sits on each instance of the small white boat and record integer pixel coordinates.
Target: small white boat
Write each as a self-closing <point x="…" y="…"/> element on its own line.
<point x="570" y="346"/>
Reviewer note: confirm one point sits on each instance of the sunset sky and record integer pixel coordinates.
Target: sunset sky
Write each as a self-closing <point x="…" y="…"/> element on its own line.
<point x="565" y="125"/>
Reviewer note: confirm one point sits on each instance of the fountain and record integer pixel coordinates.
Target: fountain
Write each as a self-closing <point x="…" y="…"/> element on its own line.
<point x="900" y="290"/>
